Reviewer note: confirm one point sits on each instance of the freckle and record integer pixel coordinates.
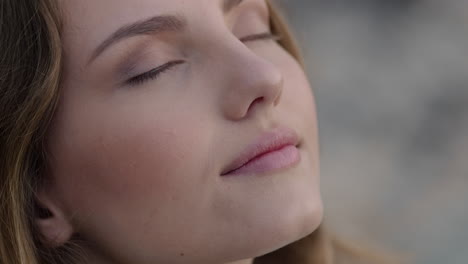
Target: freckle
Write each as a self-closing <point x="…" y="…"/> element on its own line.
<point x="182" y="254"/>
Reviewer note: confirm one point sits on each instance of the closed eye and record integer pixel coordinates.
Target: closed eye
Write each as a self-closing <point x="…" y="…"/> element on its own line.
<point x="261" y="36"/>
<point x="156" y="72"/>
<point x="153" y="74"/>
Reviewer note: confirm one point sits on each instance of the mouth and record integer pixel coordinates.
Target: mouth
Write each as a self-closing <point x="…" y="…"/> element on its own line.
<point x="271" y="151"/>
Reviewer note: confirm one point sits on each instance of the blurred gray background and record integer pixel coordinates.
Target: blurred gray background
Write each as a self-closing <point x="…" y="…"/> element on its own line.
<point x="391" y="81"/>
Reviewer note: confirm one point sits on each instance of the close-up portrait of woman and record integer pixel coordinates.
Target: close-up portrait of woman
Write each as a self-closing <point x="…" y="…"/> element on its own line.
<point x="160" y="132"/>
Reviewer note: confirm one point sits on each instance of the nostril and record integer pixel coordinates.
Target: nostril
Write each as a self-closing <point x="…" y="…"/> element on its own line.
<point x="258" y="100"/>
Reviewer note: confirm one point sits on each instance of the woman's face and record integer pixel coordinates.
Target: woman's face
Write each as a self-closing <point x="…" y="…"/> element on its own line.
<point x="137" y="158"/>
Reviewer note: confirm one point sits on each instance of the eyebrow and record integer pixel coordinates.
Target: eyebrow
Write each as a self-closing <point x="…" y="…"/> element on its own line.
<point x="152" y="26"/>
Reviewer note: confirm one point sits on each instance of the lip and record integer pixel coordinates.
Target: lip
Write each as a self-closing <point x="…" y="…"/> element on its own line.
<point x="272" y="150"/>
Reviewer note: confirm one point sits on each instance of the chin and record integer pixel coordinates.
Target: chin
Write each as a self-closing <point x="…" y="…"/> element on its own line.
<point x="282" y="231"/>
<point x="296" y="227"/>
<point x="271" y="212"/>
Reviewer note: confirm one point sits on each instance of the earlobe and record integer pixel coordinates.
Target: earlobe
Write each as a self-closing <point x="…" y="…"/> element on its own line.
<point x="53" y="226"/>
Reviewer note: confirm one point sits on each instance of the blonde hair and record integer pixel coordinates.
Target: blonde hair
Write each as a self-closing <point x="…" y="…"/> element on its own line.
<point x="30" y="71"/>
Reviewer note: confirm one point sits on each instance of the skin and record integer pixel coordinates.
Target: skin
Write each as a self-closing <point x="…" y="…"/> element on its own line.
<point x="135" y="170"/>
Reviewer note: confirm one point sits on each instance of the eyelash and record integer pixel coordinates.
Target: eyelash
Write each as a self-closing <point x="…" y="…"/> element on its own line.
<point x="153" y="74"/>
<point x="156" y="72"/>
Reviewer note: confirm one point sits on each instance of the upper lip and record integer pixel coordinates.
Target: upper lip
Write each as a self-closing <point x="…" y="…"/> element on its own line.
<point x="267" y="142"/>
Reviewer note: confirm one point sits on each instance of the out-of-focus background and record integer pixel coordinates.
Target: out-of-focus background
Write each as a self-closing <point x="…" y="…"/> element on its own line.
<point x="391" y="81"/>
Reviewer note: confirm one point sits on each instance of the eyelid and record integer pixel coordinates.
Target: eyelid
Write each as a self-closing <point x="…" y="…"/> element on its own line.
<point x="153" y="73"/>
<point x="261" y="36"/>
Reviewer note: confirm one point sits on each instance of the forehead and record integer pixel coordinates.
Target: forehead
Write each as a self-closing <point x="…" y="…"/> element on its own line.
<point x="87" y="22"/>
<point x="76" y="11"/>
<point x="101" y="15"/>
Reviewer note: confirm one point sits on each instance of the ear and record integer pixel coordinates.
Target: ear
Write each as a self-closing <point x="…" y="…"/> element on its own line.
<point x="54" y="227"/>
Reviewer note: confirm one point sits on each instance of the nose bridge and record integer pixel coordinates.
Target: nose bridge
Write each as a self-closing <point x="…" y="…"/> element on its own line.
<point x="252" y="82"/>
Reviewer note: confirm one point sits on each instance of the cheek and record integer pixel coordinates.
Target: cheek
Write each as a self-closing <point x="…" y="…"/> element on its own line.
<point x="130" y="160"/>
<point x="298" y="107"/>
<point x="133" y="159"/>
<point x="298" y="101"/>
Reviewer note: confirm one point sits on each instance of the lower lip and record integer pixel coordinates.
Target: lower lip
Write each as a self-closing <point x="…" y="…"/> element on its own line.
<point x="275" y="160"/>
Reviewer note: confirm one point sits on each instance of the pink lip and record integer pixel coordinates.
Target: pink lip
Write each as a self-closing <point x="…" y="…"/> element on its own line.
<point x="271" y="151"/>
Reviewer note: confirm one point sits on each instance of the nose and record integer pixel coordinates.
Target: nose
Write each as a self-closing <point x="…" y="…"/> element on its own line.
<point x="252" y="84"/>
